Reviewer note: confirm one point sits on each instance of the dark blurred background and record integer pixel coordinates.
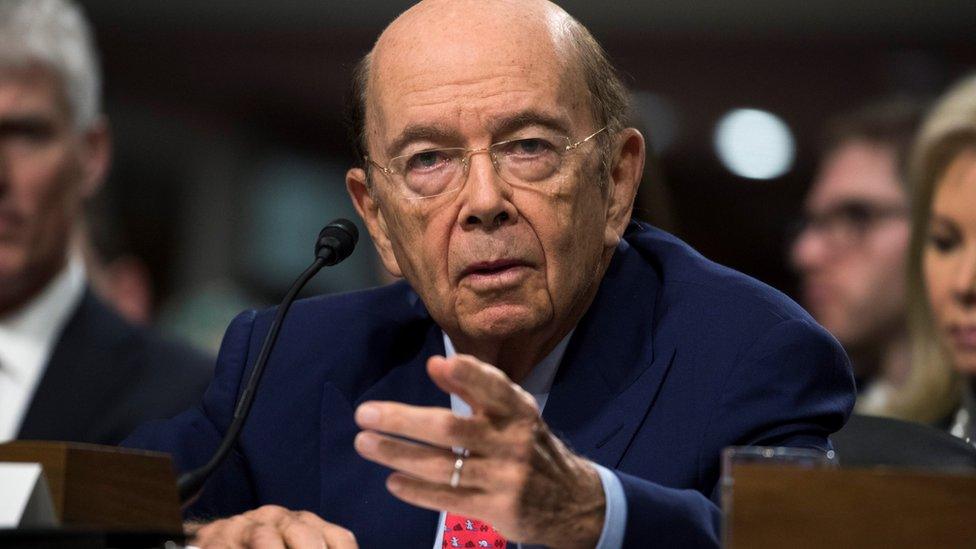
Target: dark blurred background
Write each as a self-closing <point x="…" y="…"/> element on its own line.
<point x="231" y="149"/>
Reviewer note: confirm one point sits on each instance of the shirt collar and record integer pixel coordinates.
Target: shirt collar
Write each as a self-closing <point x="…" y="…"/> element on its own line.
<point x="39" y="322"/>
<point x="540" y="378"/>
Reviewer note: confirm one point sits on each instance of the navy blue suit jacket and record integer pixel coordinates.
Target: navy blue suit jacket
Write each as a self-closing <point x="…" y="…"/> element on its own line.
<point x="676" y="359"/>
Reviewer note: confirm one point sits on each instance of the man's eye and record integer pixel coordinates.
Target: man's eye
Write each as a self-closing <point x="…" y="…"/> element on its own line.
<point x="27" y="135"/>
<point x="427" y="160"/>
<point x="529" y="147"/>
<point x="855" y="214"/>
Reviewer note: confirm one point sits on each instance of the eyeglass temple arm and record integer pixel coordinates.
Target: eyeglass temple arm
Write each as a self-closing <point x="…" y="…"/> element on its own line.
<point x="585" y="139"/>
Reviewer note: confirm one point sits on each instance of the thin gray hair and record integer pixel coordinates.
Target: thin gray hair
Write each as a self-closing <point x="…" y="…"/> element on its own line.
<point x="55" y="35"/>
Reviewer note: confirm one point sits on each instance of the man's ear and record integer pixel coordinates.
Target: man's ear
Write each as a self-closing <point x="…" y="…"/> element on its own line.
<point x="369" y="210"/>
<point x="626" y="169"/>
<point x="96" y="156"/>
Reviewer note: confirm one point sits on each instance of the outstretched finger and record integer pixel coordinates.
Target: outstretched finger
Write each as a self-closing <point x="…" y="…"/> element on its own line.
<point x="485" y="388"/>
<point x="470" y="502"/>
<point x="431" y="425"/>
<point x="424" y="462"/>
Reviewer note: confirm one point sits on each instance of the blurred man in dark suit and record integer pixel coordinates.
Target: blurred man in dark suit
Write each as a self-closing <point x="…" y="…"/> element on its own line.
<point x="70" y="368"/>
<point x="850" y="251"/>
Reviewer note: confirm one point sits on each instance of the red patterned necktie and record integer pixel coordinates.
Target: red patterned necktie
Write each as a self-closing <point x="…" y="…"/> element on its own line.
<point x="461" y="531"/>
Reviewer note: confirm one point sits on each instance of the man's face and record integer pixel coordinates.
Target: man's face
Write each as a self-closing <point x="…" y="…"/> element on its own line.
<point x="851" y="255"/>
<point x="494" y="259"/>
<point x="45" y="172"/>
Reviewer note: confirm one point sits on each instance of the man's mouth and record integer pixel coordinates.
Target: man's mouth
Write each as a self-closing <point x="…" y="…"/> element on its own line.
<point x="494" y="274"/>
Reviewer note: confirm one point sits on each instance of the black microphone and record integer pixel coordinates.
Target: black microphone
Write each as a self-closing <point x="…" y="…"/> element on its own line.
<point x="335" y="242"/>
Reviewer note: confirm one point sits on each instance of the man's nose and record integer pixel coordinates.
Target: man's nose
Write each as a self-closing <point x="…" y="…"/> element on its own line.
<point x="964" y="281"/>
<point x="487" y="197"/>
<point x="809" y="251"/>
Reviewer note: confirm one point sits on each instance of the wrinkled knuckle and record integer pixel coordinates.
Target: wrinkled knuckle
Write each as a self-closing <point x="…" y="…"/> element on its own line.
<point x="291" y="527"/>
<point x="259" y="534"/>
<point x="461" y="428"/>
<point x="475" y="472"/>
<point x="446" y="425"/>
<point x="521" y="476"/>
<point x="509" y="478"/>
<point x="236" y="520"/>
<point x="306" y="516"/>
<point x="523" y="445"/>
<point x="345" y="536"/>
<point x="269" y="512"/>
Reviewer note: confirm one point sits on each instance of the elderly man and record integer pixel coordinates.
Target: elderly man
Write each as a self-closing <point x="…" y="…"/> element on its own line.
<point x="70" y="369"/>
<point x="851" y="251"/>
<point x="497" y="179"/>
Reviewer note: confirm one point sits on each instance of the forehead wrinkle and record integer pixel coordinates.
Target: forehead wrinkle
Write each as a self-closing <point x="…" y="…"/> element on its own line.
<point x="439" y="94"/>
<point x="445" y="121"/>
<point x="519" y="43"/>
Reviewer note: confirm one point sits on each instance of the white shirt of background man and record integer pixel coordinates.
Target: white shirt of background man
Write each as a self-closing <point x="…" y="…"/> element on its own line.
<point x="27" y="339"/>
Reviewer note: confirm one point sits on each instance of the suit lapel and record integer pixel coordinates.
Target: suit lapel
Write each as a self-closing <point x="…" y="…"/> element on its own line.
<point x="353" y="489"/>
<point x="612" y="370"/>
<point x="79" y="376"/>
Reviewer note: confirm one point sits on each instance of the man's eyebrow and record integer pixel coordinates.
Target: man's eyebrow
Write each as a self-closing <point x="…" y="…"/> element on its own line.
<point x="28" y="122"/>
<point x="510" y="124"/>
<point x="419" y="132"/>
<point x="498" y="127"/>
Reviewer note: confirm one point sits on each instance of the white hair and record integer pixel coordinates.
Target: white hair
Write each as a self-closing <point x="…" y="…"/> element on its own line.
<point x="56" y="35"/>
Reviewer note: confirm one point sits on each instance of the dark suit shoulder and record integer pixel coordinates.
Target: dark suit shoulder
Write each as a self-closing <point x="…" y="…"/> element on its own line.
<point x="106" y="376"/>
<point x="392" y="302"/>
<point x="693" y="282"/>
<point x="350" y="339"/>
<point x="720" y="320"/>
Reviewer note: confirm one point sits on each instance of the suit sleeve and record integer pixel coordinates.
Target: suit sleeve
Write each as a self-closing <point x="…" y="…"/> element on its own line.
<point x="193" y="436"/>
<point x="792" y="387"/>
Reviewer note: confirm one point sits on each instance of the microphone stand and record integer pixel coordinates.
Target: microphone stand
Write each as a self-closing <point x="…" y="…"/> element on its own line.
<point x="336" y="241"/>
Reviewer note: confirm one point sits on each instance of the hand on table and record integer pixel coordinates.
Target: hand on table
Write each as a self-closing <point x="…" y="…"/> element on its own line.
<point x="517" y="475"/>
<point x="271" y="527"/>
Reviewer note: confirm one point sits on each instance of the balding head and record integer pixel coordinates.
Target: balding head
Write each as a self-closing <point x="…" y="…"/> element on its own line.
<point x="478" y="32"/>
<point x="484" y="125"/>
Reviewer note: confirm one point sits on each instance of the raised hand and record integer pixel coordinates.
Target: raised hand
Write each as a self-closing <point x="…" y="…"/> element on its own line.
<point x="516" y="474"/>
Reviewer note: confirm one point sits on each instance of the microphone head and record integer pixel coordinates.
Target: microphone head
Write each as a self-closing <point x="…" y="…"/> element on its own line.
<point x="336" y="241"/>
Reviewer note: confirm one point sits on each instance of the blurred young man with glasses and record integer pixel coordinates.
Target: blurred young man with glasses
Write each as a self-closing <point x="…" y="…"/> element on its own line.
<point x="850" y="246"/>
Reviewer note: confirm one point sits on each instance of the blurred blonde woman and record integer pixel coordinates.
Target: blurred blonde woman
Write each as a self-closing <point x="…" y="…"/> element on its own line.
<point x="942" y="268"/>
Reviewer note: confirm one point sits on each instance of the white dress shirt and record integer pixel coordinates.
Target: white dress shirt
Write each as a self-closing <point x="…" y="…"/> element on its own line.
<point x="27" y="338"/>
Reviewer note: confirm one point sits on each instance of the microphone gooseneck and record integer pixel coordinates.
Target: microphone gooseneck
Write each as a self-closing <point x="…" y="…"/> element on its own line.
<point x="334" y="244"/>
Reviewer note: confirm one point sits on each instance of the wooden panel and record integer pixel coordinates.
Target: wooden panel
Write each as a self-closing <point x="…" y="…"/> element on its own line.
<point x="52" y="459"/>
<point x="105" y="487"/>
<point x="767" y="506"/>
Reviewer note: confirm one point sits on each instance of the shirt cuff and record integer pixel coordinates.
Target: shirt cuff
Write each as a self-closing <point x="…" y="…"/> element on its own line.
<point x="615" y="519"/>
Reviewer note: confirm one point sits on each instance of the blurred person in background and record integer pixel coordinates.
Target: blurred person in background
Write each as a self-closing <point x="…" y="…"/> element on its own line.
<point x="850" y="250"/>
<point x="70" y="368"/>
<point x="942" y="267"/>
